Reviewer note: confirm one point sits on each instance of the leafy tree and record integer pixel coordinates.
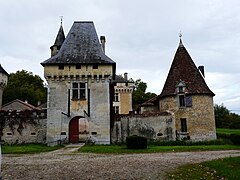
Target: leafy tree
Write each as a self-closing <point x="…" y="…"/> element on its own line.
<point x="225" y="119"/>
<point x="139" y="95"/>
<point x="24" y="85"/>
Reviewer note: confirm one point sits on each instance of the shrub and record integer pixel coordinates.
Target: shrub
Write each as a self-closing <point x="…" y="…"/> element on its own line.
<point x="136" y="142"/>
<point x="235" y="139"/>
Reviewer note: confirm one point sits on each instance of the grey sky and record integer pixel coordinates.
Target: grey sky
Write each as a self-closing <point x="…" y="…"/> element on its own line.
<point x="142" y="37"/>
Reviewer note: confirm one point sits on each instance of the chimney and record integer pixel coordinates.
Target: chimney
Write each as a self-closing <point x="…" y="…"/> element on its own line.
<point x="26" y="101"/>
<point x="201" y="69"/>
<point x="125" y="76"/>
<point x="103" y="41"/>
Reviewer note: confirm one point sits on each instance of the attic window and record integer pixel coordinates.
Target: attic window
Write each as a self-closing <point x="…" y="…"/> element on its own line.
<point x="61" y="66"/>
<point x="95" y="66"/>
<point x="78" y="66"/>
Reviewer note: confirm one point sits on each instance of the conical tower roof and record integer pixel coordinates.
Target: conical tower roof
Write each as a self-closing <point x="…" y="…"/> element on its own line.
<point x="60" y="37"/>
<point x="184" y="69"/>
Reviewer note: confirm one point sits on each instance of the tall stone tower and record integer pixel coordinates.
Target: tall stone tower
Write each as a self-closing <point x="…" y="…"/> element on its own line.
<point x="79" y="76"/>
<point x="186" y="94"/>
<point x="3" y="82"/>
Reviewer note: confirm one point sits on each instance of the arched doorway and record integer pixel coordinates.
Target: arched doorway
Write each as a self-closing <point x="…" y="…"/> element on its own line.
<point x="78" y="129"/>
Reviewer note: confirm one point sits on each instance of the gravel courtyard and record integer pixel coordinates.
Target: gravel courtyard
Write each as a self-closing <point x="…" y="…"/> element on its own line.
<point x="65" y="164"/>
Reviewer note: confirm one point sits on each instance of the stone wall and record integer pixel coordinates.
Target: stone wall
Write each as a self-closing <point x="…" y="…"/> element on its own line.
<point x="19" y="127"/>
<point x="200" y="116"/>
<point x="154" y="126"/>
<point x="95" y="107"/>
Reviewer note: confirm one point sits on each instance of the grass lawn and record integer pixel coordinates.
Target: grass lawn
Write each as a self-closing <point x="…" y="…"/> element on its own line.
<point x="228" y="168"/>
<point x="228" y="131"/>
<point x="115" y="149"/>
<point x="27" y="148"/>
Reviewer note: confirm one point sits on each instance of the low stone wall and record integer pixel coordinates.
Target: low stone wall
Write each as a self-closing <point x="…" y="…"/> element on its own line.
<point x="154" y="126"/>
<point x="17" y="127"/>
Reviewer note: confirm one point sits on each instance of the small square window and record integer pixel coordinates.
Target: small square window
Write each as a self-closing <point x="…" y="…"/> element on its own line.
<point x="95" y="66"/>
<point x="78" y="66"/>
<point x="75" y="85"/>
<point x="61" y="66"/>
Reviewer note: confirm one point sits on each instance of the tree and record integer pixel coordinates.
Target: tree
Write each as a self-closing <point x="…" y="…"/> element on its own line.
<point x="225" y="119"/>
<point x="24" y="85"/>
<point x="139" y="95"/>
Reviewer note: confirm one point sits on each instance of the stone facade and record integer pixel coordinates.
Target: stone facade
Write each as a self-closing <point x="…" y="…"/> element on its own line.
<point x="123" y="89"/>
<point x="154" y="126"/>
<point x="79" y="77"/>
<point x="19" y="127"/>
<point x="199" y="117"/>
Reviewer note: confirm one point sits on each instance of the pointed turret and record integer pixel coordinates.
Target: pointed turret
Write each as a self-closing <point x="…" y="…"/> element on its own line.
<point x="184" y="69"/>
<point x="58" y="42"/>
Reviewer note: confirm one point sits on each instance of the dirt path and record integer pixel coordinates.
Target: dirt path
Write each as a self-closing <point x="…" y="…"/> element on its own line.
<point x="65" y="164"/>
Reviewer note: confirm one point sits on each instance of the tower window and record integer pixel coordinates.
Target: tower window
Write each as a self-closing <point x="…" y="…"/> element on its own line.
<point x="183" y="124"/>
<point x="181" y="100"/>
<point x="61" y="66"/>
<point x="116" y="109"/>
<point x="78" y="91"/>
<point x="95" y="66"/>
<point x="78" y="66"/>
<point x="116" y="97"/>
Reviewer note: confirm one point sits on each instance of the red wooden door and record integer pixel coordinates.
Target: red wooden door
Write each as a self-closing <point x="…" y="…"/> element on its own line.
<point x="74" y="130"/>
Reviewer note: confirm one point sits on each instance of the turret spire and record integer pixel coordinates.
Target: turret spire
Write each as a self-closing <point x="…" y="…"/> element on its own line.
<point x="180" y="43"/>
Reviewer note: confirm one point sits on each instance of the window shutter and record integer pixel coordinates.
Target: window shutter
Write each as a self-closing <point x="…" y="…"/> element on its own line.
<point x="188" y="101"/>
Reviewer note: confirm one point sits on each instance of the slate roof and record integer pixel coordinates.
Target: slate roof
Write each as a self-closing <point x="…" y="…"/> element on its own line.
<point x="2" y="70"/>
<point x="60" y="37"/>
<point x="120" y="79"/>
<point x="183" y="68"/>
<point x="81" y="46"/>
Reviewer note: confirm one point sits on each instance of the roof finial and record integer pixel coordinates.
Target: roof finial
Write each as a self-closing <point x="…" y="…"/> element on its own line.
<point x="61" y="19"/>
<point x="180" y="36"/>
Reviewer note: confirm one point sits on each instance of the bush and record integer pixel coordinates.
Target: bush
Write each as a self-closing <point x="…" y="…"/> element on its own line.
<point x="235" y="139"/>
<point x="136" y="142"/>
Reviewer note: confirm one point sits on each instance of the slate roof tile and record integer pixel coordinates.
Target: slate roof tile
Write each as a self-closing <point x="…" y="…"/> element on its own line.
<point x="81" y="46"/>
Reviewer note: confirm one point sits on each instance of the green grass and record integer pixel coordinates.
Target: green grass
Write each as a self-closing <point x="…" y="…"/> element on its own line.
<point x="115" y="149"/>
<point x="228" y="168"/>
<point x="27" y="148"/>
<point x="228" y="131"/>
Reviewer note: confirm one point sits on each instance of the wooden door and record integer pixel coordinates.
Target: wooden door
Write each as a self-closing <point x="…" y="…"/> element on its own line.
<point x="74" y="130"/>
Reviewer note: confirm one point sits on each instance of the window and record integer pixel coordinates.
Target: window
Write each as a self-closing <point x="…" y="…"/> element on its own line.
<point x="116" y="97"/>
<point x="95" y="66"/>
<point x="181" y="100"/>
<point x="78" y="66"/>
<point x="78" y="91"/>
<point x="116" y="109"/>
<point x="183" y="124"/>
<point x="61" y="66"/>
<point x="180" y="89"/>
<point x="188" y="101"/>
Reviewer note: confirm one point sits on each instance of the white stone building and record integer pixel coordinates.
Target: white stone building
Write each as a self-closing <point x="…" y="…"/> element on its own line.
<point x="79" y="76"/>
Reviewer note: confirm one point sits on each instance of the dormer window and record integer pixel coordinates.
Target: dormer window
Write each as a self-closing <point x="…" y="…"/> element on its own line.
<point x="181" y="93"/>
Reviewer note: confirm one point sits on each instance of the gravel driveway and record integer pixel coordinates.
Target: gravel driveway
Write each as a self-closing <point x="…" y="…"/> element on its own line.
<point x="65" y="164"/>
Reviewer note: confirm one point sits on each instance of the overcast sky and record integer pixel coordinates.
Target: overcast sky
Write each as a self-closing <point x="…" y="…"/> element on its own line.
<point x="142" y="37"/>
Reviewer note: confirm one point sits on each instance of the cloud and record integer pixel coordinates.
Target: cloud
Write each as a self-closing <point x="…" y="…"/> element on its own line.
<point x="142" y="37"/>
